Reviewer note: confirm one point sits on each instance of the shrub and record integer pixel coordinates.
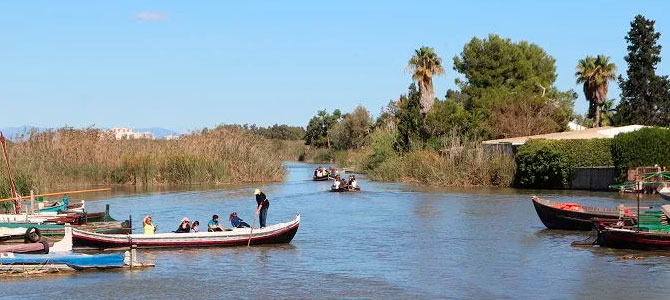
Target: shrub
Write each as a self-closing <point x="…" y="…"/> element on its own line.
<point x="549" y="163"/>
<point x="644" y="147"/>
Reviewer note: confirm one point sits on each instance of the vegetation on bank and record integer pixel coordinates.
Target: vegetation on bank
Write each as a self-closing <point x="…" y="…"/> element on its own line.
<point x="68" y="157"/>
<point x="644" y="147"/>
<point x="506" y="90"/>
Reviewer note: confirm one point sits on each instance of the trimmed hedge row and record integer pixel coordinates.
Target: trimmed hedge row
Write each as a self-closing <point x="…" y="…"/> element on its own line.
<point x="644" y="147"/>
<point x="549" y="163"/>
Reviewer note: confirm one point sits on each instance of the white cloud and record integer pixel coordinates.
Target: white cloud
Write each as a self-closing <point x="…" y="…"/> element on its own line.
<point x="151" y="16"/>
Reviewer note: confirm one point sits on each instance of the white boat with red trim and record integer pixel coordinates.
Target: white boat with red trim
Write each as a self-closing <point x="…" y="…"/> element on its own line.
<point x="276" y="234"/>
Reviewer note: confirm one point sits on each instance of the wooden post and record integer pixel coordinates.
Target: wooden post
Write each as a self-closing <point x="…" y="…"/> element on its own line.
<point x="106" y="212"/>
<point x="32" y="203"/>
<point x="130" y="223"/>
<point x="133" y="256"/>
<point x="12" y="185"/>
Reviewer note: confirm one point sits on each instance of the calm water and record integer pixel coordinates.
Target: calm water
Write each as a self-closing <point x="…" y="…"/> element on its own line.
<point x="392" y="241"/>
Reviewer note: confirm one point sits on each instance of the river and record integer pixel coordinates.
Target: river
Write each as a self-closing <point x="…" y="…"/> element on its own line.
<point x="390" y="241"/>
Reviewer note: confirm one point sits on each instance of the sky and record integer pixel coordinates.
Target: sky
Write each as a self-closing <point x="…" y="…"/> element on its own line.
<point x="184" y="65"/>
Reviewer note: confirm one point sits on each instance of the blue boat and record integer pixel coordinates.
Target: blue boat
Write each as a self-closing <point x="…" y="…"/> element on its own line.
<point x="72" y="260"/>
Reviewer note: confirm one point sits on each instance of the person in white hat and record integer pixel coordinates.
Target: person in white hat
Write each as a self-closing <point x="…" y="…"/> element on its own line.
<point x="185" y="226"/>
<point x="262" y="207"/>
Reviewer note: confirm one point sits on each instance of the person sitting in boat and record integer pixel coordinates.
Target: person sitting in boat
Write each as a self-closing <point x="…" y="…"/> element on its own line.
<point x="352" y="182"/>
<point x="336" y="184"/>
<point x="194" y="226"/>
<point x="318" y="173"/>
<point x="148" y="227"/>
<point x="184" y="227"/>
<point x="236" y="221"/>
<point x="214" y="225"/>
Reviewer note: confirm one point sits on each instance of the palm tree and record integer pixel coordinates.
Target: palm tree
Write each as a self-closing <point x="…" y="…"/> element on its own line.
<point x="595" y="73"/>
<point x="607" y="112"/>
<point x="424" y="64"/>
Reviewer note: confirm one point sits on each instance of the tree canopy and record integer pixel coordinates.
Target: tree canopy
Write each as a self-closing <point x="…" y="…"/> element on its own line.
<point x="319" y="126"/>
<point x="645" y="96"/>
<point x="424" y="65"/>
<point x="595" y="73"/>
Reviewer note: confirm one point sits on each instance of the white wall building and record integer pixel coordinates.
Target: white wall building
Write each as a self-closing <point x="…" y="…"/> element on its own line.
<point x="127" y="133"/>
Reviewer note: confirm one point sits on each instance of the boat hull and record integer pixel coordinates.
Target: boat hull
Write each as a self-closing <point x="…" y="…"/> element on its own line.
<point x="276" y="234"/>
<point x="556" y="218"/>
<point x="631" y="239"/>
<point x="322" y="178"/>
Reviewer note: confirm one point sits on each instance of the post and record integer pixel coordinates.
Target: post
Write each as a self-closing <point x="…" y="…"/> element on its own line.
<point x="638" y="186"/>
<point x="32" y="203"/>
<point x="130" y="223"/>
<point x="106" y="212"/>
<point x="133" y="256"/>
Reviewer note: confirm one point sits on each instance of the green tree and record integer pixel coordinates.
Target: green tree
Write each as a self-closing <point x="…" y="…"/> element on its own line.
<point x="410" y="121"/>
<point x="353" y="130"/>
<point x="498" y="62"/>
<point x="645" y="96"/>
<point x="319" y="126"/>
<point x="595" y="73"/>
<point x="424" y="65"/>
<point x="446" y="117"/>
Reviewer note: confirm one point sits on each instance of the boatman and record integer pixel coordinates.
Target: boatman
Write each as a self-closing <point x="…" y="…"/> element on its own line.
<point x="262" y="207"/>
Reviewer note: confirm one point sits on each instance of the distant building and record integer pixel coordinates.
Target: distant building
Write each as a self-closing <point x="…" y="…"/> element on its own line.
<point x="606" y="132"/>
<point x="121" y="133"/>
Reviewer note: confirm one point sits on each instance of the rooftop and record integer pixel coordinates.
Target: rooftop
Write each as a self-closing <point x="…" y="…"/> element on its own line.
<point x="606" y="132"/>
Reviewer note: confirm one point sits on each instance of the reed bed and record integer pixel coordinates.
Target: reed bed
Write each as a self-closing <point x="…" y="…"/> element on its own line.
<point x="459" y="163"/>
<point x="70" y="157"/>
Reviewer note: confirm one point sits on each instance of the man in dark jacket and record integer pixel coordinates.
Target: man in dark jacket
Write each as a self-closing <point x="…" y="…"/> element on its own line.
<point x="262" y="207"/>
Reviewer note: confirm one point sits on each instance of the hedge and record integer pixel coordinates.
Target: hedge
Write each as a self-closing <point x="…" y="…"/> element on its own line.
<point x="644" y="147"/>
<point x="549" y="163"/>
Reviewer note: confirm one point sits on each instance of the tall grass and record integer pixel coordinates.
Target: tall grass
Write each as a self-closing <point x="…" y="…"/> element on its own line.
<point x="68" y="157"/>
<point x="460" y="162"/>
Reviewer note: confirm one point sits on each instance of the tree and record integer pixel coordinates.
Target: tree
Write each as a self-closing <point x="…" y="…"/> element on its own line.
<point x="424" y="64"/>
<point x="595" y="73"/>
<point x="645" y="96"/>
<point x="607" y="112"/>
<point x="497" y="62"/>
<point x="446" y="117"/>
<point x="410" y="121"/>
<point x="319" y="126"/>
<point x="353" y="130"/>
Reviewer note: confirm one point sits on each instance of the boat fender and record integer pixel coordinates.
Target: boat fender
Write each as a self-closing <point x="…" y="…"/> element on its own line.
<point x="46" y="246"/>
<point x="32" y="235"/>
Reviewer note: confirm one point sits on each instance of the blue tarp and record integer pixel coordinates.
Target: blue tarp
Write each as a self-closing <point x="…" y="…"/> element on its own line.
<point x="76" y="261"/>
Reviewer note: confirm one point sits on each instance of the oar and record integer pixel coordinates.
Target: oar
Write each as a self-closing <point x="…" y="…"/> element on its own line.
<point x="251" y="231"/>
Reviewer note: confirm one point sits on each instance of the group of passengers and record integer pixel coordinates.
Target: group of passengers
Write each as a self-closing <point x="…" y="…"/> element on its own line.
<point x="262" y="205"/>
<point x="341" y="183"/>
<point x="322" y="172"/>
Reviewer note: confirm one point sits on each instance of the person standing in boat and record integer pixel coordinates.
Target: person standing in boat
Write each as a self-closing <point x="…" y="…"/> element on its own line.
<point x="262" y="207"/>
<point x="148" y="227"/>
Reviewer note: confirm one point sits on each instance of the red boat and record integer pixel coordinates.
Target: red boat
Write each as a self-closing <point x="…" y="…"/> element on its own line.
<point x="275" y="234"/>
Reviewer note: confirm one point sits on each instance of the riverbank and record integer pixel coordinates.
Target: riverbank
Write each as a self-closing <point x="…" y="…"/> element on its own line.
<point x="67" y="157"/>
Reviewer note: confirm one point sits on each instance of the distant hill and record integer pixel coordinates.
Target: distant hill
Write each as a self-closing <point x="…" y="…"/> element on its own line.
<point x="157" y="131"/>
<point x="12" y="133"/>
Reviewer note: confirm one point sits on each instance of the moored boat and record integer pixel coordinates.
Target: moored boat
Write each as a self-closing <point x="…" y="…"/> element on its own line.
<point x="664" y="193"/>
<point x="72" y="260"/>
<point x="571" y="216"/>
<point x="275" y="234"/>
<point x="653" y="232"/>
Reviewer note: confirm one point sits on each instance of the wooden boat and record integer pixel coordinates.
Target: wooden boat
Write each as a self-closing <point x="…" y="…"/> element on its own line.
<point x="73" y="260"/>
<point x="557" y="215"/>
<point x="275" y="234"/>
<point x="41" y="246"/>
<point x="26" y="232"/>
<point x="322" y="178"/>
<point x="345" y="189"/>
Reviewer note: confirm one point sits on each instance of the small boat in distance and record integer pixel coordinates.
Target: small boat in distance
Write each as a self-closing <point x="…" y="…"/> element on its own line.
<point x="345" y="189"/>
<point x="275" y="234"/>
<point x="572" y="216"/>
<point x="322" y="178"/>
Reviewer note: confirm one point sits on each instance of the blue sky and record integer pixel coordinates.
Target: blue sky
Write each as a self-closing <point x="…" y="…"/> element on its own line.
<point x="184" y="65"/>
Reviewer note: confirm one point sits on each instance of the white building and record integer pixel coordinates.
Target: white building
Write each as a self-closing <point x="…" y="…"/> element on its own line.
<point x="127" y="133"/>
<point x="171" y="137"/>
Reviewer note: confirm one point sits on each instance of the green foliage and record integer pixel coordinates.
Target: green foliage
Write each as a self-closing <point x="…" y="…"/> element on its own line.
<point x="498" y="62"/>
<point x="353" y="130"/>
<point x="318" y="129"/>
<point x="644" y="147"/>
<point x="645" y="96"/>
<point x="381" y="148"/>
<point x="445" y="117"/>
<point x="410" y="122"/>
<point x="424" y="65"/>
<point x="595" y="73"/>
<point x="549" y="163"/>
<point x="274" y="132"/>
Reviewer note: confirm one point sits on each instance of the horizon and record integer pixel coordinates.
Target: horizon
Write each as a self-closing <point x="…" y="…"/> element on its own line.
<point x="184" y="67"/>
